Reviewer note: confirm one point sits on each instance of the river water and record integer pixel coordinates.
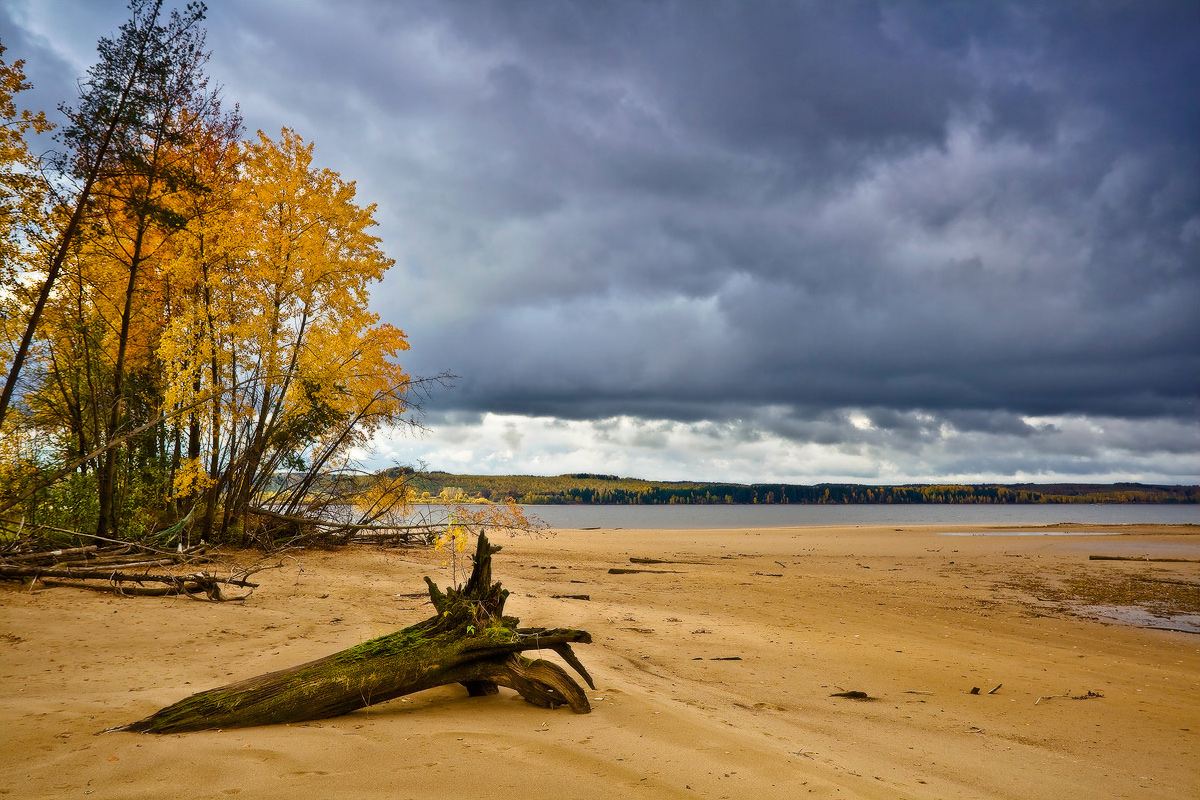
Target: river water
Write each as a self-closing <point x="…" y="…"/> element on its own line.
<point x="779" y="516"/>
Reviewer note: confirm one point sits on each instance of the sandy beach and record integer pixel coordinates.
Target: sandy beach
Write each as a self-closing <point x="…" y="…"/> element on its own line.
<point x="991" y="670"/>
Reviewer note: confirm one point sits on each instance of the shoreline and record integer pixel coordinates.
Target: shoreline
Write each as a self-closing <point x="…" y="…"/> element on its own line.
<point x="715" y="679"/>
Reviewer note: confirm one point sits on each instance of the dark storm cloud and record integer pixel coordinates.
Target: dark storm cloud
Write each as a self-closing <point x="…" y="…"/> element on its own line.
<point x="642" y="208"/>
<point x="950" y="216"/>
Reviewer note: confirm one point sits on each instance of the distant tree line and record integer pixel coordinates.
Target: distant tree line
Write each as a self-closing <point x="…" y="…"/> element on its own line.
<point x="593" y="489"/>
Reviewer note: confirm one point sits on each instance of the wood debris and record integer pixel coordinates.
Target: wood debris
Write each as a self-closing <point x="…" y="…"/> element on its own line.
<point x="123" y="568"/>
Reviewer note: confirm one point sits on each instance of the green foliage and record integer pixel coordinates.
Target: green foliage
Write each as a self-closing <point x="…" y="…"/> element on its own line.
<point x="71" y="503"/>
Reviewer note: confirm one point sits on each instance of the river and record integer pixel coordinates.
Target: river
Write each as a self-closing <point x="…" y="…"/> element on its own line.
<point x="777" y="516"/>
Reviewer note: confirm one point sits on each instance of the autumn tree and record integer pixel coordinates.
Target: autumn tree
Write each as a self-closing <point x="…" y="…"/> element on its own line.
<point x="23" y="193"/>
<point x="197" y="325"/>
<point x="143" y="107"/>
<point x="118" y="100"/>
<point x="23" y="188"/>
<point x="296" y="369"/>
<point x="201" y="252"/>
<point x="139" y="205"/>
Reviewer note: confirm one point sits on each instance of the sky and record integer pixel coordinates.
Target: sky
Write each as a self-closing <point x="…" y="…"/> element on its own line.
<point x="754" y="242"/>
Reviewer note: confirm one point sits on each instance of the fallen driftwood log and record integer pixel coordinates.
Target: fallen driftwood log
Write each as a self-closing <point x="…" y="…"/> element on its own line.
<point x="193" y="583"/>
<point x="468" y="641"/>
<point x="190" y="589"/>
<point x="58" y="556"/>
<point x="89" y="571"/>
<point x="121" y="568"/>
<point x="620" y="571"/>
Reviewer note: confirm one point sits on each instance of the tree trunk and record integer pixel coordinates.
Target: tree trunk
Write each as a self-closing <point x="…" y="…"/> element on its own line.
<point x="469" y="641"/>
<point x="106" y="524"/>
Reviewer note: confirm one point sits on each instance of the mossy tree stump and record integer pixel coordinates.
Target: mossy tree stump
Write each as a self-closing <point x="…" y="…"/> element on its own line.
<point x="469" y="641"/>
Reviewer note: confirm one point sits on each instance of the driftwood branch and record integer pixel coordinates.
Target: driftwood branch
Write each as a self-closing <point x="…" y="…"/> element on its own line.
<point x="54" y="556"/>
<point x="123" y="568"/>
<point x="469" y="641"/>
<point x="188" y="589"/>
<point x="113" y="575"/>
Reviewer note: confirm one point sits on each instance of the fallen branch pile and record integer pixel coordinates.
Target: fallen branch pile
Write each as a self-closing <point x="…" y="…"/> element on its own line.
<point x="313" y="530"/>
<point x="122" y="568"/>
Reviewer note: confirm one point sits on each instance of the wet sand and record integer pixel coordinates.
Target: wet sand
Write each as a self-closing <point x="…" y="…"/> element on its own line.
<point x="714" y="678"/>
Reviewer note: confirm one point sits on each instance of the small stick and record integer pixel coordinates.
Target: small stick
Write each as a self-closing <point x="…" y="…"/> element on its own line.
<point x="1051" y="696"/>
<point x="1145" y="558"/>
<point x="998" y="685"/>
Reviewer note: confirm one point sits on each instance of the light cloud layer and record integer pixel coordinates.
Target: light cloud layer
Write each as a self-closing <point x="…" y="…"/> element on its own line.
<point x="841" y="446"/>
<point x="735" y="228"/>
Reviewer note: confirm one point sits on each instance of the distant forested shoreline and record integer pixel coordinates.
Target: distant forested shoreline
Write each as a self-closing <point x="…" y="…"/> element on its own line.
<point x="594" y="489"/>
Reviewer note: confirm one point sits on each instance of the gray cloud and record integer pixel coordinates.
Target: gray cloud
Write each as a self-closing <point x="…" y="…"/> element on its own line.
<point x="936" y="216"/>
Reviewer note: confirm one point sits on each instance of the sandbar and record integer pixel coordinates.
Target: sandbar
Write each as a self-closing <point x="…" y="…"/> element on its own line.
<point x="991" y="668"/>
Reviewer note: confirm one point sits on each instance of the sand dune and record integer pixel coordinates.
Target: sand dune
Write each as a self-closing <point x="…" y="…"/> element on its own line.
<point x="714" y="675"/>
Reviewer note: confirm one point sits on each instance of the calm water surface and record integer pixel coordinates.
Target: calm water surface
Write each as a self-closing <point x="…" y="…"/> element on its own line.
<point x="778" y="516"/>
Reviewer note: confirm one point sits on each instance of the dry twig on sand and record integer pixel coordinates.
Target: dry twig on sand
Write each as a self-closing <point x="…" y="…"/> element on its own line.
<point x="1088" y="695"/>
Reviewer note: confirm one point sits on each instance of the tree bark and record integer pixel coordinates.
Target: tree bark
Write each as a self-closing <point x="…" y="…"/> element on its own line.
<point x="468" y="641"/>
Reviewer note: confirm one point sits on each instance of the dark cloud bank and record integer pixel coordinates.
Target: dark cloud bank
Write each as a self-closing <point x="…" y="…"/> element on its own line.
<point x="981" y="218"/>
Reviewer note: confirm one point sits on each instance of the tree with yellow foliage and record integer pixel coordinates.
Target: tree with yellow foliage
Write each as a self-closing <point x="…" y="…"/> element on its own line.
<point x="280" y="340"/>
<point x="23" y="192"/>
<point x="196" y="324"/>
<point x="23" y="188"/>
<point x="128" y="93"/>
